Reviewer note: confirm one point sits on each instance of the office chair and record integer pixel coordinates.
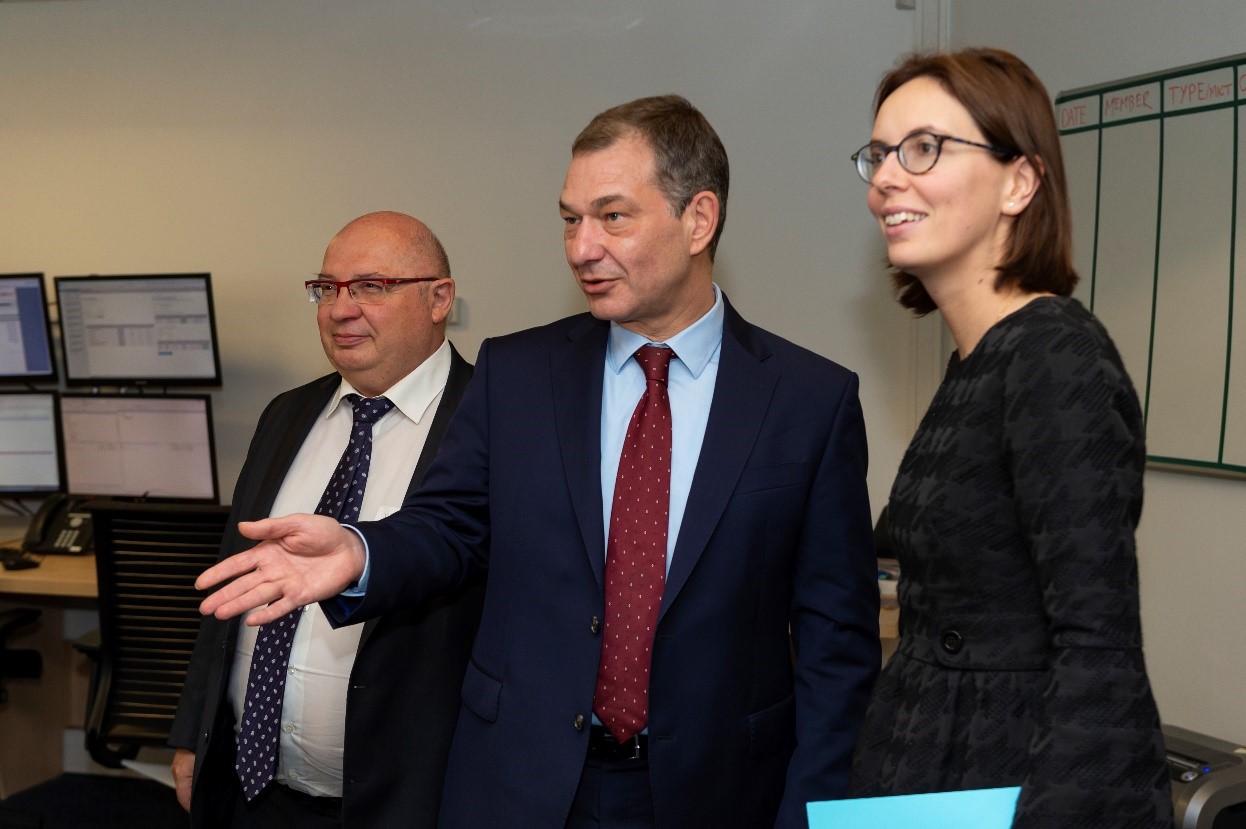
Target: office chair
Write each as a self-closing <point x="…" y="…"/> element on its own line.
<point x="147" y="557"/>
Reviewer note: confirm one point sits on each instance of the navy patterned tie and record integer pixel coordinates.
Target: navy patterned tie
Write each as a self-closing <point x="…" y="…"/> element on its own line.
<point x="636" y="554"/>
<point x="258" y="737"/>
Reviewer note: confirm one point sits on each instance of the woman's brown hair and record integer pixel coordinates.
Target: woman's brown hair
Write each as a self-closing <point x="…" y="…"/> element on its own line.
<point x="1011" y="106"/>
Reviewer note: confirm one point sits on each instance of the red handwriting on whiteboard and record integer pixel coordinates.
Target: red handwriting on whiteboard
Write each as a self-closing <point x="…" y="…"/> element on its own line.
<point x="1072" y="116"/>
<point x="1199" y="92"/>
<point x="1241" y="82"/>
<point x="1131" y="102"/>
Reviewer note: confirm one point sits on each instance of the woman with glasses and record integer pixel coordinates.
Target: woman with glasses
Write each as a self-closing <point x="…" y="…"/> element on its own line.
<point x="1013" y="512"/>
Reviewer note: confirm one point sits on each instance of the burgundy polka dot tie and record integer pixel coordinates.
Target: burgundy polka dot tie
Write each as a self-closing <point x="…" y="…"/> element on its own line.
<point x="636" y="554"/>
<point x="258" y="735"/>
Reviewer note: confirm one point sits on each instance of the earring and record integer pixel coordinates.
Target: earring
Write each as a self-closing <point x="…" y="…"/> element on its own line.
<point x="1011" y="204"/>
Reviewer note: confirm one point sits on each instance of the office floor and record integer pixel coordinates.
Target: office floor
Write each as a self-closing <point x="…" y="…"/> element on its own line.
<point x="84" y="801"/>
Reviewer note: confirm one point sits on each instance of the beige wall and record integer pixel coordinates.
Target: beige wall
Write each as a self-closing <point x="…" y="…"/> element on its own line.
<point x="236" y="136"/>
<point x="1192" y="550"/>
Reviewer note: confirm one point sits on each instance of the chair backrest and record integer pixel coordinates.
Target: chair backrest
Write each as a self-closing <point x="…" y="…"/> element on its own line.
<point x="147" y="557"/>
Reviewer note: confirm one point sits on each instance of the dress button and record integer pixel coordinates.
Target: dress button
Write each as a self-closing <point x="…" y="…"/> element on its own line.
<point x="288" y="728"/>
<point x="594" y="625"/>
<point x="953" y="641"/>
<point x="577" y="722"/>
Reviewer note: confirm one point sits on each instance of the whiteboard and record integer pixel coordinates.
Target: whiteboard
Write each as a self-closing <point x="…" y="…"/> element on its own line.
<point x="1157" y="181"/>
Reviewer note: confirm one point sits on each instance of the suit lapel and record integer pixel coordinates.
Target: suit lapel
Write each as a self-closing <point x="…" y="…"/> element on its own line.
<point x="456" y="383"/>
<point x="576" y="370"/>
<point x="742" y="395"/>
<point x="290" y="441"/>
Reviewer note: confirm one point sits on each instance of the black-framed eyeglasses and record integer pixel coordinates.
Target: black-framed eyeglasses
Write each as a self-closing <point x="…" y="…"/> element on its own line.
<point x="917" y="153"/>
<point x="366" y="291"/>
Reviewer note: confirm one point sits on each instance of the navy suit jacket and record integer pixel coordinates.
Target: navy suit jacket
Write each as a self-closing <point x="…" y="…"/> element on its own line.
<point x="404" y="686"/>
<point x="746" y="723"/>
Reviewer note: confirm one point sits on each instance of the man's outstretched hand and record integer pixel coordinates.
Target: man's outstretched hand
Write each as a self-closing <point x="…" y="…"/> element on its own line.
<point x="300" y="559"/>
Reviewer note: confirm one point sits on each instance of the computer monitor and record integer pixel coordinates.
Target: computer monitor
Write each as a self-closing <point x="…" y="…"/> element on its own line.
<point x="138" y="330"/>
<point x="31" y="463"/>
<point x="139" y="446"/>
<point x="25" y="333"/>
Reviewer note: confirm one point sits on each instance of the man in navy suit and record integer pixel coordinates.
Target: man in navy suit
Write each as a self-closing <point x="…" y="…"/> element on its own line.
<point x="765" y="645"/>
<point x="369" y="710"/>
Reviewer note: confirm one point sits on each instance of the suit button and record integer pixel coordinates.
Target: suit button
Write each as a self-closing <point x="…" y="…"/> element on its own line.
<point x="953" y="641"/>
<point x="577" y="722"/>
<point x="594" y="625"/>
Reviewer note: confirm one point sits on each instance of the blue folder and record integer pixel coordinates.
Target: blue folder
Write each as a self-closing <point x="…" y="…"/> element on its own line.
<point x="975" y="809"/>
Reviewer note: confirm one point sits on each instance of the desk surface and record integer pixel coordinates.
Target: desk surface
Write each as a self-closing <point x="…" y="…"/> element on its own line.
<point x="56" y="576"/>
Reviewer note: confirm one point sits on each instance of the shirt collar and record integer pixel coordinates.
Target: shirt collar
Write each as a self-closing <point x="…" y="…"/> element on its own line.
<point x="694" y="346"/>
<point x="413" y="394"/>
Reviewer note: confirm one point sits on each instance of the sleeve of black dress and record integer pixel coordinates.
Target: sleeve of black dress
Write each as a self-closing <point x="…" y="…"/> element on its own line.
<point x="1073" y="438"/>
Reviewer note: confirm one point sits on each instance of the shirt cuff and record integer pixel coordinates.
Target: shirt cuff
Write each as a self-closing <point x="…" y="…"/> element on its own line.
<point x="361" y="587"/>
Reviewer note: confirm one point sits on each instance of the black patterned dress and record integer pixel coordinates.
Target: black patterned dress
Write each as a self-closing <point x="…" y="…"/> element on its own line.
<point x="1013" y="515"/>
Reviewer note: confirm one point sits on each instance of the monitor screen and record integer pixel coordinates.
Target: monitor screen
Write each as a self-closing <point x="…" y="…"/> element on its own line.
<point x="135" y="330"/>
<point x="139" y="446"/>
<point x="30" y="457"/>
<point x="25" y="335"/>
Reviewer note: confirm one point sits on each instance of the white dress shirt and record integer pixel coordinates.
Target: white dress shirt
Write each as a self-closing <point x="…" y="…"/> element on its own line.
<point x="313" y="716"/>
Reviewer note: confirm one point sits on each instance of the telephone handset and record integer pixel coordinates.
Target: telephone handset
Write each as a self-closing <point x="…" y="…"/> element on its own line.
<point x="60" y="526"/>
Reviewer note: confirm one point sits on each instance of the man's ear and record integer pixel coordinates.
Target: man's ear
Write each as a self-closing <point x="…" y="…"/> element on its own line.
<point x="441" y="300"/>
<point x="701" y="221"/>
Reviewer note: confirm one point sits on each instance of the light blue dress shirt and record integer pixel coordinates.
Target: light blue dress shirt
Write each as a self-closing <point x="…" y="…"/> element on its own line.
<point x="690" y="384"/>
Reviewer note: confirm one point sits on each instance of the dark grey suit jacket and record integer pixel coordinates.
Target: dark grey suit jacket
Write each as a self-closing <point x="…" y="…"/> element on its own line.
<point x="405" y="685"/>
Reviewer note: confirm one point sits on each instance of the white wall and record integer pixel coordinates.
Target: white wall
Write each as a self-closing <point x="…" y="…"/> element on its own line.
<point x="1191" y="549"/>
<point x="236" y="136"/>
